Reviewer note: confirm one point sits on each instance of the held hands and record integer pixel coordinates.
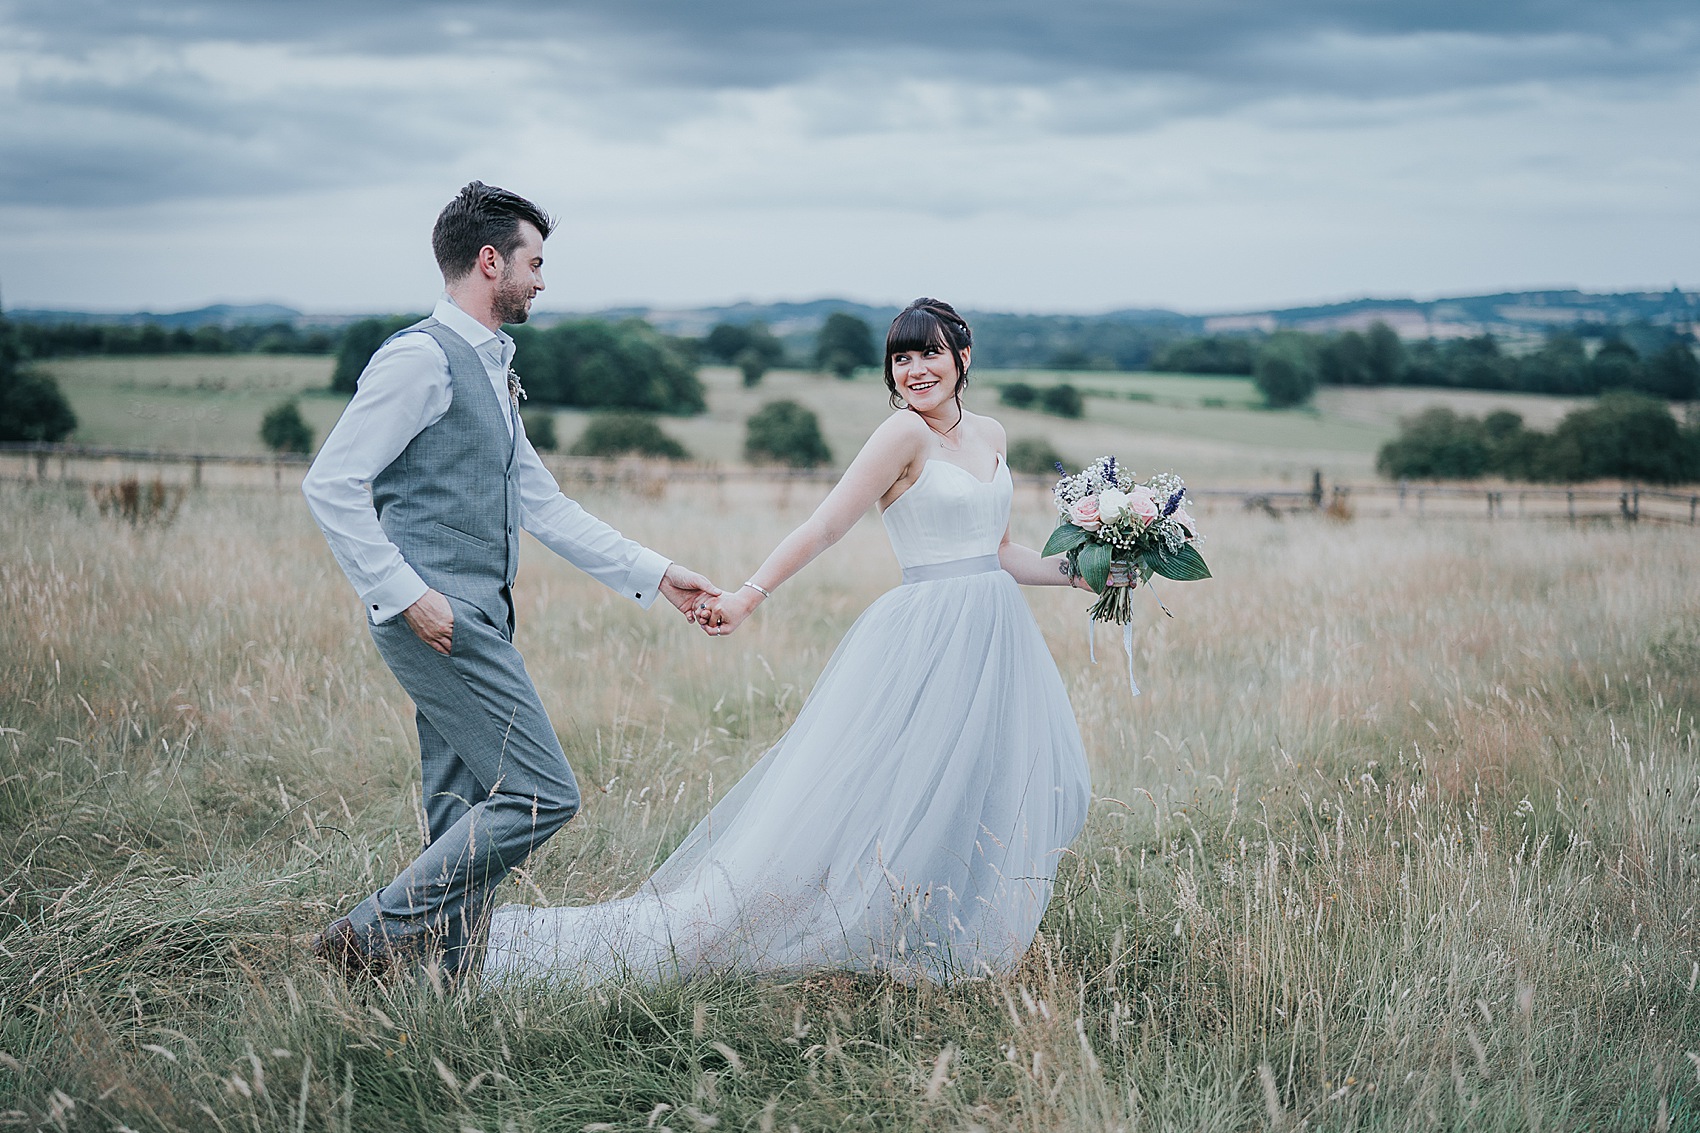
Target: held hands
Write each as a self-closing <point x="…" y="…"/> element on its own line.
<point x="720" y="616"/>
<point x="704" y="603"/>
<point x="688" y="590"/>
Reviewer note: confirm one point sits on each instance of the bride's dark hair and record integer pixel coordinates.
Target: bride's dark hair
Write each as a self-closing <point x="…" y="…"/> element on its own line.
<point x="924" y="323"/>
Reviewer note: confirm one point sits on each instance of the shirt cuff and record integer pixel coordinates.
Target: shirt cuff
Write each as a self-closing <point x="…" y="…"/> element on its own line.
<point x="395" y="594"/>
<point x="644" y="580"/>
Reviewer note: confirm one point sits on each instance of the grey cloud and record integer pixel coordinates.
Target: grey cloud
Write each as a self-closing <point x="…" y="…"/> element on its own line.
<point x="71" y="135"/>
<point x="758" y="42"/>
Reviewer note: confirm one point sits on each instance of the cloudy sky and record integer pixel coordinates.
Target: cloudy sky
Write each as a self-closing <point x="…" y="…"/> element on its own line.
<point x="1044" y="155"/>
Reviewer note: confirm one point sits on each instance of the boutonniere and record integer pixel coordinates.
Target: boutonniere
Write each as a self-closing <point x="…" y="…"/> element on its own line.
<point x="516" y="392"/>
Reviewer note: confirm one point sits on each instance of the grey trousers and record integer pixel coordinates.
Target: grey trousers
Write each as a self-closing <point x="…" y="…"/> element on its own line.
<point x="496" y="785"/>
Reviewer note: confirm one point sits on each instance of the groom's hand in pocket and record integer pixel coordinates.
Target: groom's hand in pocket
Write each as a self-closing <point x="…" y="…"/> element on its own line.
<point x="432" y="620"/>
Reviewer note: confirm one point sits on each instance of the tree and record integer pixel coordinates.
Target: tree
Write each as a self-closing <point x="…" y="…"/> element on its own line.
<point x="752" y="365"/>
<point x="359" y="342"/>
<point x="728" y="340"/>
<point x="845" y="342"/>
<point x="1436" y="444"/>
<point x="784" y="432"/>
<point x="539" y="425"/>
<point x="1216" y="354"/>
<point x="1063" y="401"/>
<point x="1478" y="363"/>
<point x="1343" y="360"/>
<point x="594" y="364"/>
<point x="1384" y="361"/>
<point x="1616" y="365"/>
<point x="1034" y="456"/>
<point x="32" y="408"/>
<point x="1559" y="366"/>
<point x="283" y="429"/>
<point x="615" y="434"/>
<point x="1285" y="374"/>
<point x="1623" y="434"/>
<point x="1673" y="373"/>
<point x="1018" y="394"/>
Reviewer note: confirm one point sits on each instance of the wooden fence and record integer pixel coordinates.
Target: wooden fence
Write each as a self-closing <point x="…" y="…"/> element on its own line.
<point x="1629" y="503"/>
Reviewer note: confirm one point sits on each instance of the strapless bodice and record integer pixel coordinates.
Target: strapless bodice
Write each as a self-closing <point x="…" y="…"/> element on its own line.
<point x="948" y="513"/>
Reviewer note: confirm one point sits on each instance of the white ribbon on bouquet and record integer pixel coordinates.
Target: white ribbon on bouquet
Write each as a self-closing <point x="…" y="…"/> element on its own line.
<point x="1127" y="639"/>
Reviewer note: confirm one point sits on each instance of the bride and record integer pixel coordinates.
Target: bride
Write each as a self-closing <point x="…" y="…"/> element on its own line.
<point x="911" y="820"/>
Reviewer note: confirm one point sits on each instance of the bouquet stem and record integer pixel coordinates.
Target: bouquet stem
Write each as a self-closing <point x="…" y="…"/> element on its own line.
<point x="1115" y="604"/>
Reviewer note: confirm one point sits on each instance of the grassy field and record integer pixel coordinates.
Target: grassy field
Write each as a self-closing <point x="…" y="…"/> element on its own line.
<point x="205" y="403"/>
<point x="1404" y="834"/>
<point x="1209" y="428"/>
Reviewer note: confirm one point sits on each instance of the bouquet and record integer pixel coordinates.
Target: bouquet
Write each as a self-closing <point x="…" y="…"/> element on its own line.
<point x="1117" y="533"/>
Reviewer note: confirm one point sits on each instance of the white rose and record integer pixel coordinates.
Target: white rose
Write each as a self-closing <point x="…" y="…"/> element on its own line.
<point x="1112" y="504"/>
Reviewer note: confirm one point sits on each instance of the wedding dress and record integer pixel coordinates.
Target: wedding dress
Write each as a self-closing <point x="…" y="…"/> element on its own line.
<point x="911" y="820"/>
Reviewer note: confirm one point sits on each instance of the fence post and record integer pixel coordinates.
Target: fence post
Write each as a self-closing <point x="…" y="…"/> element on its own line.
<point x="1490" y="505"/>
<point x="1402" y="485"/>
<point x="1693" y="506"/>
<point x="1422" y="493"/>
<point x="1635" y="503"/>
<point x="1316" y="488"/>
<point x="1570" y="504"/>
<point x="196" y="479"/>
<point x="41" y="464"/>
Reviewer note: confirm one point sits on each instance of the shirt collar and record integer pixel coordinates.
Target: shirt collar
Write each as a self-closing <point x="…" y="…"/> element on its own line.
<point x="497" y="344"/>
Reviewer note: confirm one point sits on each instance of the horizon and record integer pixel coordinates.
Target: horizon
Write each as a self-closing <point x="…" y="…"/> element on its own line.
<point x="539" y="309"/>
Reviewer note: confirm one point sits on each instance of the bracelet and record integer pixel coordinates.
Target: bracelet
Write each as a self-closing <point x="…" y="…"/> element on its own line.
<point x="763" y="591"/>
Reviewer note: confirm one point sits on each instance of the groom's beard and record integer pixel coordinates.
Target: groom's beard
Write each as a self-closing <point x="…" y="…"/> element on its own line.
<point x="512" y="302"/>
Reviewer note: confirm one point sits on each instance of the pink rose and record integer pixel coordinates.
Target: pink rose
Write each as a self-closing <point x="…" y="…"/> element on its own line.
<point x="1143" y="504"/>
<point x="1182" y="517"/>
<point x="1084" y="514"/>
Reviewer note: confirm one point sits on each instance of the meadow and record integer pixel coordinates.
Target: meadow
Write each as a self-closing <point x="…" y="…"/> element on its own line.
<point x="1212" y="428"/>
<point x="1404" y="833"/>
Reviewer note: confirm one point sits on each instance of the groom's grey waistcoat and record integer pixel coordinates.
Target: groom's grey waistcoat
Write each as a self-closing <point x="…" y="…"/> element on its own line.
<point x="450" y="501"/>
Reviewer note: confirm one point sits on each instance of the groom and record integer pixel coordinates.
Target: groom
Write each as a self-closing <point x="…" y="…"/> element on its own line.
<point x="421" y="489"/>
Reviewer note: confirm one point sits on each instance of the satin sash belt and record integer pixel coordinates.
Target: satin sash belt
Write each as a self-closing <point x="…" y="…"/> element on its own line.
<point x="956" y="568"/>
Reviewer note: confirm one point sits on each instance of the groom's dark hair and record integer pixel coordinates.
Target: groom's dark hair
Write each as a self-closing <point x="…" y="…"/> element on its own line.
<point x="482" y="214"/>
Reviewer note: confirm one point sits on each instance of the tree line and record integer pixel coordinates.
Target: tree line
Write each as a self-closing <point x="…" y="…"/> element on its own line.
<point x="1657" y="361"/>
<point x="1624" y="435"/>
<point x="55" y="340"/>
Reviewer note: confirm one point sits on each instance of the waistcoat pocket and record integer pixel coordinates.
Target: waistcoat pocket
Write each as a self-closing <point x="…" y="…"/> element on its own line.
<point x="455" y="533"/>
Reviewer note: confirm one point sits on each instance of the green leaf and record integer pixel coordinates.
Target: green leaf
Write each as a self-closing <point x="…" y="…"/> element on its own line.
<point x="1095" y="565"/>
<point x="1185" y="565"/>
<point x="1064" y="539"/>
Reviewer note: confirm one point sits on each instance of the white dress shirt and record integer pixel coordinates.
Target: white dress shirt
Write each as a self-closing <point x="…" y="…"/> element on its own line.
<point x="404" y="390"/>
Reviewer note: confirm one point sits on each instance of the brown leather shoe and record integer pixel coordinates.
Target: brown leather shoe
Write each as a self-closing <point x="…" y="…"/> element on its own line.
<point x="340" y="947"/>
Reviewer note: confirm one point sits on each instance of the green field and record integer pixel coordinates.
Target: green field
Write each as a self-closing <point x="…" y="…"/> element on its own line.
<point x="1208" y="428"/>
<point x="192" y="403"/>
<point x="1403" y="835"/>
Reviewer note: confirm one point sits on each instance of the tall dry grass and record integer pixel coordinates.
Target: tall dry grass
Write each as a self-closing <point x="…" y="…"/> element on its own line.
<point x="1402" y="835"/>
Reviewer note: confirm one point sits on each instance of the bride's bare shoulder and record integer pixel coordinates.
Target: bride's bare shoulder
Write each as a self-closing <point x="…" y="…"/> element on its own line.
<point x="988" y="429"/>
<point x="901" y="428"/>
